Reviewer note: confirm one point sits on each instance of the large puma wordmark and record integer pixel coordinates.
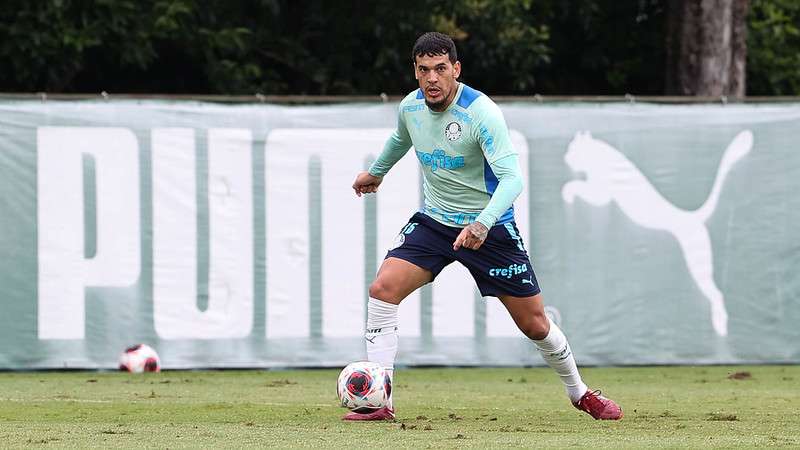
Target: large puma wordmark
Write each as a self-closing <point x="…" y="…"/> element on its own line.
<point x="610" y="176"/>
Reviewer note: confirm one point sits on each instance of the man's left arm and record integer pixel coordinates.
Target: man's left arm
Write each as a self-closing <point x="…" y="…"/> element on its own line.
<point x="509" y="187"/>
<point x="491" y="133"/>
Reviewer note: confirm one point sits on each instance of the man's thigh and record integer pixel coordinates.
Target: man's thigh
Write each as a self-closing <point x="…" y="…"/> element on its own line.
<point x="424" y="243"/>
<point x="400" y="278"/>
<point x="501" y="266"/>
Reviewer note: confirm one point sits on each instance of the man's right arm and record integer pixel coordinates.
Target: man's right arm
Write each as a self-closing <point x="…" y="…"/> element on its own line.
<point x="395" y="148"/>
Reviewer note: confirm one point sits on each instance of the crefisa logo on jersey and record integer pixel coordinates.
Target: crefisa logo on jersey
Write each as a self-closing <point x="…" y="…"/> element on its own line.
<point x="452" y="131"/>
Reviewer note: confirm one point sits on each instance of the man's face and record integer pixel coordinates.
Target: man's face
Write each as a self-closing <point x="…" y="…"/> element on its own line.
<point x="437" y="79"/>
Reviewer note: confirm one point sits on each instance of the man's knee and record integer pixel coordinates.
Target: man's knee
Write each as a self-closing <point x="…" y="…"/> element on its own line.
<point x="535" y="326"/>
<point x="381" y="290"/>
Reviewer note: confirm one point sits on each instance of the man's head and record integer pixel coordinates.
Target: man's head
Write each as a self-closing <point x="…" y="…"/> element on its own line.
<point x="436" y="68"/>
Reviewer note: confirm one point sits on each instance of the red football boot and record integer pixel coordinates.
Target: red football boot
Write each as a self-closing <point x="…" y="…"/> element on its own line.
<point x="598" y="406"/>
<point x="384" y="413"/>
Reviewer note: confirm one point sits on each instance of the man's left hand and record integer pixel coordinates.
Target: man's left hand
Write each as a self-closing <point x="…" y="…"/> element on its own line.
<point x="472" y="236"/>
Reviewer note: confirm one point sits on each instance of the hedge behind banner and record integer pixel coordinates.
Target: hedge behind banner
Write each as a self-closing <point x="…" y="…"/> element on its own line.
<point x="229" y="235"/>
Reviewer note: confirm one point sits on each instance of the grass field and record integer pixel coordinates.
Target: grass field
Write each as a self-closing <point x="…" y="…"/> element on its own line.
<point x="723" y="407"/>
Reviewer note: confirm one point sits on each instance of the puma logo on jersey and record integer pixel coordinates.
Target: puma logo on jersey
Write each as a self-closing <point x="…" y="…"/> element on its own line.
<point x="610" y="176"/>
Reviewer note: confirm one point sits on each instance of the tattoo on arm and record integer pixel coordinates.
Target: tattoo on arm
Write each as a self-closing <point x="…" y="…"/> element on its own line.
<point x="478" y="230"/>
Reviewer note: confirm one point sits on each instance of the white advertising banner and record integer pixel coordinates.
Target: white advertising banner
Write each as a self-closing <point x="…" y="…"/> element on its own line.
<point x="230" y="236"/>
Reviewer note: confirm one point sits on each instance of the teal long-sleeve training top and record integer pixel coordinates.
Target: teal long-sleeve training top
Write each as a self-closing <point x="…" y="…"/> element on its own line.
<point x="470" y="169"/>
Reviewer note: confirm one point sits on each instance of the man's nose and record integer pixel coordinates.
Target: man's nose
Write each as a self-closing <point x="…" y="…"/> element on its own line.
<point x="433" y="77"/>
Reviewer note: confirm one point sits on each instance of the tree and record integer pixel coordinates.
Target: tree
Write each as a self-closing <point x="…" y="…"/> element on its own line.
<point x="604" y="47"/>
<point x="774" y="41"/>
<point x="522" y="47"/>
<point x="706" y="47"/>
<point x="160" y="46"/>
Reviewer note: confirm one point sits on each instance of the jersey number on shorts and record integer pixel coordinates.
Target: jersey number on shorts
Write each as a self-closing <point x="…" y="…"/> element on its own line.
<point x="409" y="228"/>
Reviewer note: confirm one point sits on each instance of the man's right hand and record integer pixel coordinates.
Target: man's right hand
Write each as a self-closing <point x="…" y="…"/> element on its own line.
<point x="366" y="183"/>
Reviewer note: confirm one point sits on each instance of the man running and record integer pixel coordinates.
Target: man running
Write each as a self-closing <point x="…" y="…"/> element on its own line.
<point x="471" y="178"/>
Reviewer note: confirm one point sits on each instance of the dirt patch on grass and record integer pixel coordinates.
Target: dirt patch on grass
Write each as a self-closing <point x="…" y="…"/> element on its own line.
<point x="740" y="376"/>
<point x="722" y="417"/>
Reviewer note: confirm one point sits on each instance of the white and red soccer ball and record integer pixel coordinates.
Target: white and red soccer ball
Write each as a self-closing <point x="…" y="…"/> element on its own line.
<point x="364" y="387"/>
<point x="139" y="358"/>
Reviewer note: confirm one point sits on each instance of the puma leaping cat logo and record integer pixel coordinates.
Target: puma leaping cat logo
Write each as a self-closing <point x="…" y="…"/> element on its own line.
<point x="611" y="176"/>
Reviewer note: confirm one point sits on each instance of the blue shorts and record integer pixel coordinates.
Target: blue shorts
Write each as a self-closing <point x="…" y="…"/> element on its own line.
<point x="500" y="266"/>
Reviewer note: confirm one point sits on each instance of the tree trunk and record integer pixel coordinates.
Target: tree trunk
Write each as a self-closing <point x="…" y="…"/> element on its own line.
<point x="738" y="82"/>
<point x="706" y="48"/>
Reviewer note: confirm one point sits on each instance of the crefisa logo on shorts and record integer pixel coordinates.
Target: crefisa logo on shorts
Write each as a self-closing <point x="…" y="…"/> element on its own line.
<point x="508" y="272"/>
<point x="452" y="131"/>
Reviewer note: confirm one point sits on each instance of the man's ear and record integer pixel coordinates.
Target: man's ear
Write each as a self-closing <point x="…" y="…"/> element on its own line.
<point x="457" y="69"/>
<point x="414" y="68"/>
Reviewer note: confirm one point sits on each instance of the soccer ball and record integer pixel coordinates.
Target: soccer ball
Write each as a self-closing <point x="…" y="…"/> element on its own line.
<point x="139" y="358"/>
<point x="364" y="387"/>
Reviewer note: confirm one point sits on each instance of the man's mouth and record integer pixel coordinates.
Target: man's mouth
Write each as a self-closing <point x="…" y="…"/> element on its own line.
<point x="433" y="92"/>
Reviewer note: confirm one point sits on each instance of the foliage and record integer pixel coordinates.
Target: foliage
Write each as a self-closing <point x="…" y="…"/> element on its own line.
<point x="44" y="46"/>
<point x="605" y="47"/>
<point x="773" y="61"/>
<point x="116" y="45"/>
<point x="502" y="44"/>
<point x="248" y="46"/>
<point x="355" y="47"/>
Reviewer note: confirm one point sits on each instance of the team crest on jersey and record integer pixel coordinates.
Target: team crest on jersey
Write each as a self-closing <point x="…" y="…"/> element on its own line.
<point x="452" y="131"/>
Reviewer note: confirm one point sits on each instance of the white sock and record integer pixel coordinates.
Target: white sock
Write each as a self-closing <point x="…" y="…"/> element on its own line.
<point x="381" y="335"/>
<point x="558" y="355"/>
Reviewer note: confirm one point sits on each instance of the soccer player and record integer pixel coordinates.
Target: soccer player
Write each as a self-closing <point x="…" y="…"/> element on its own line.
<point x="471" y="177"/>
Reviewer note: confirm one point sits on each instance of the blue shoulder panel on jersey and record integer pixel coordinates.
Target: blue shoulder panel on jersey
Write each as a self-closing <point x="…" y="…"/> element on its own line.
<point x="491" y="185"/>
<point x="468" y="95"/>
<point x="420" y="95"/>
<point x="489" y="177"/>
<point x="507" y="216"/>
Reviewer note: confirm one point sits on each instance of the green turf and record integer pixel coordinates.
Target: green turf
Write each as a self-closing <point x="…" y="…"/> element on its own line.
<point x="437" y="408"/>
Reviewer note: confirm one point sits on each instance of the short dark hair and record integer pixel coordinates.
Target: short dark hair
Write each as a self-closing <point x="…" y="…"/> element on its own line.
<point x="434" y="44"/>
